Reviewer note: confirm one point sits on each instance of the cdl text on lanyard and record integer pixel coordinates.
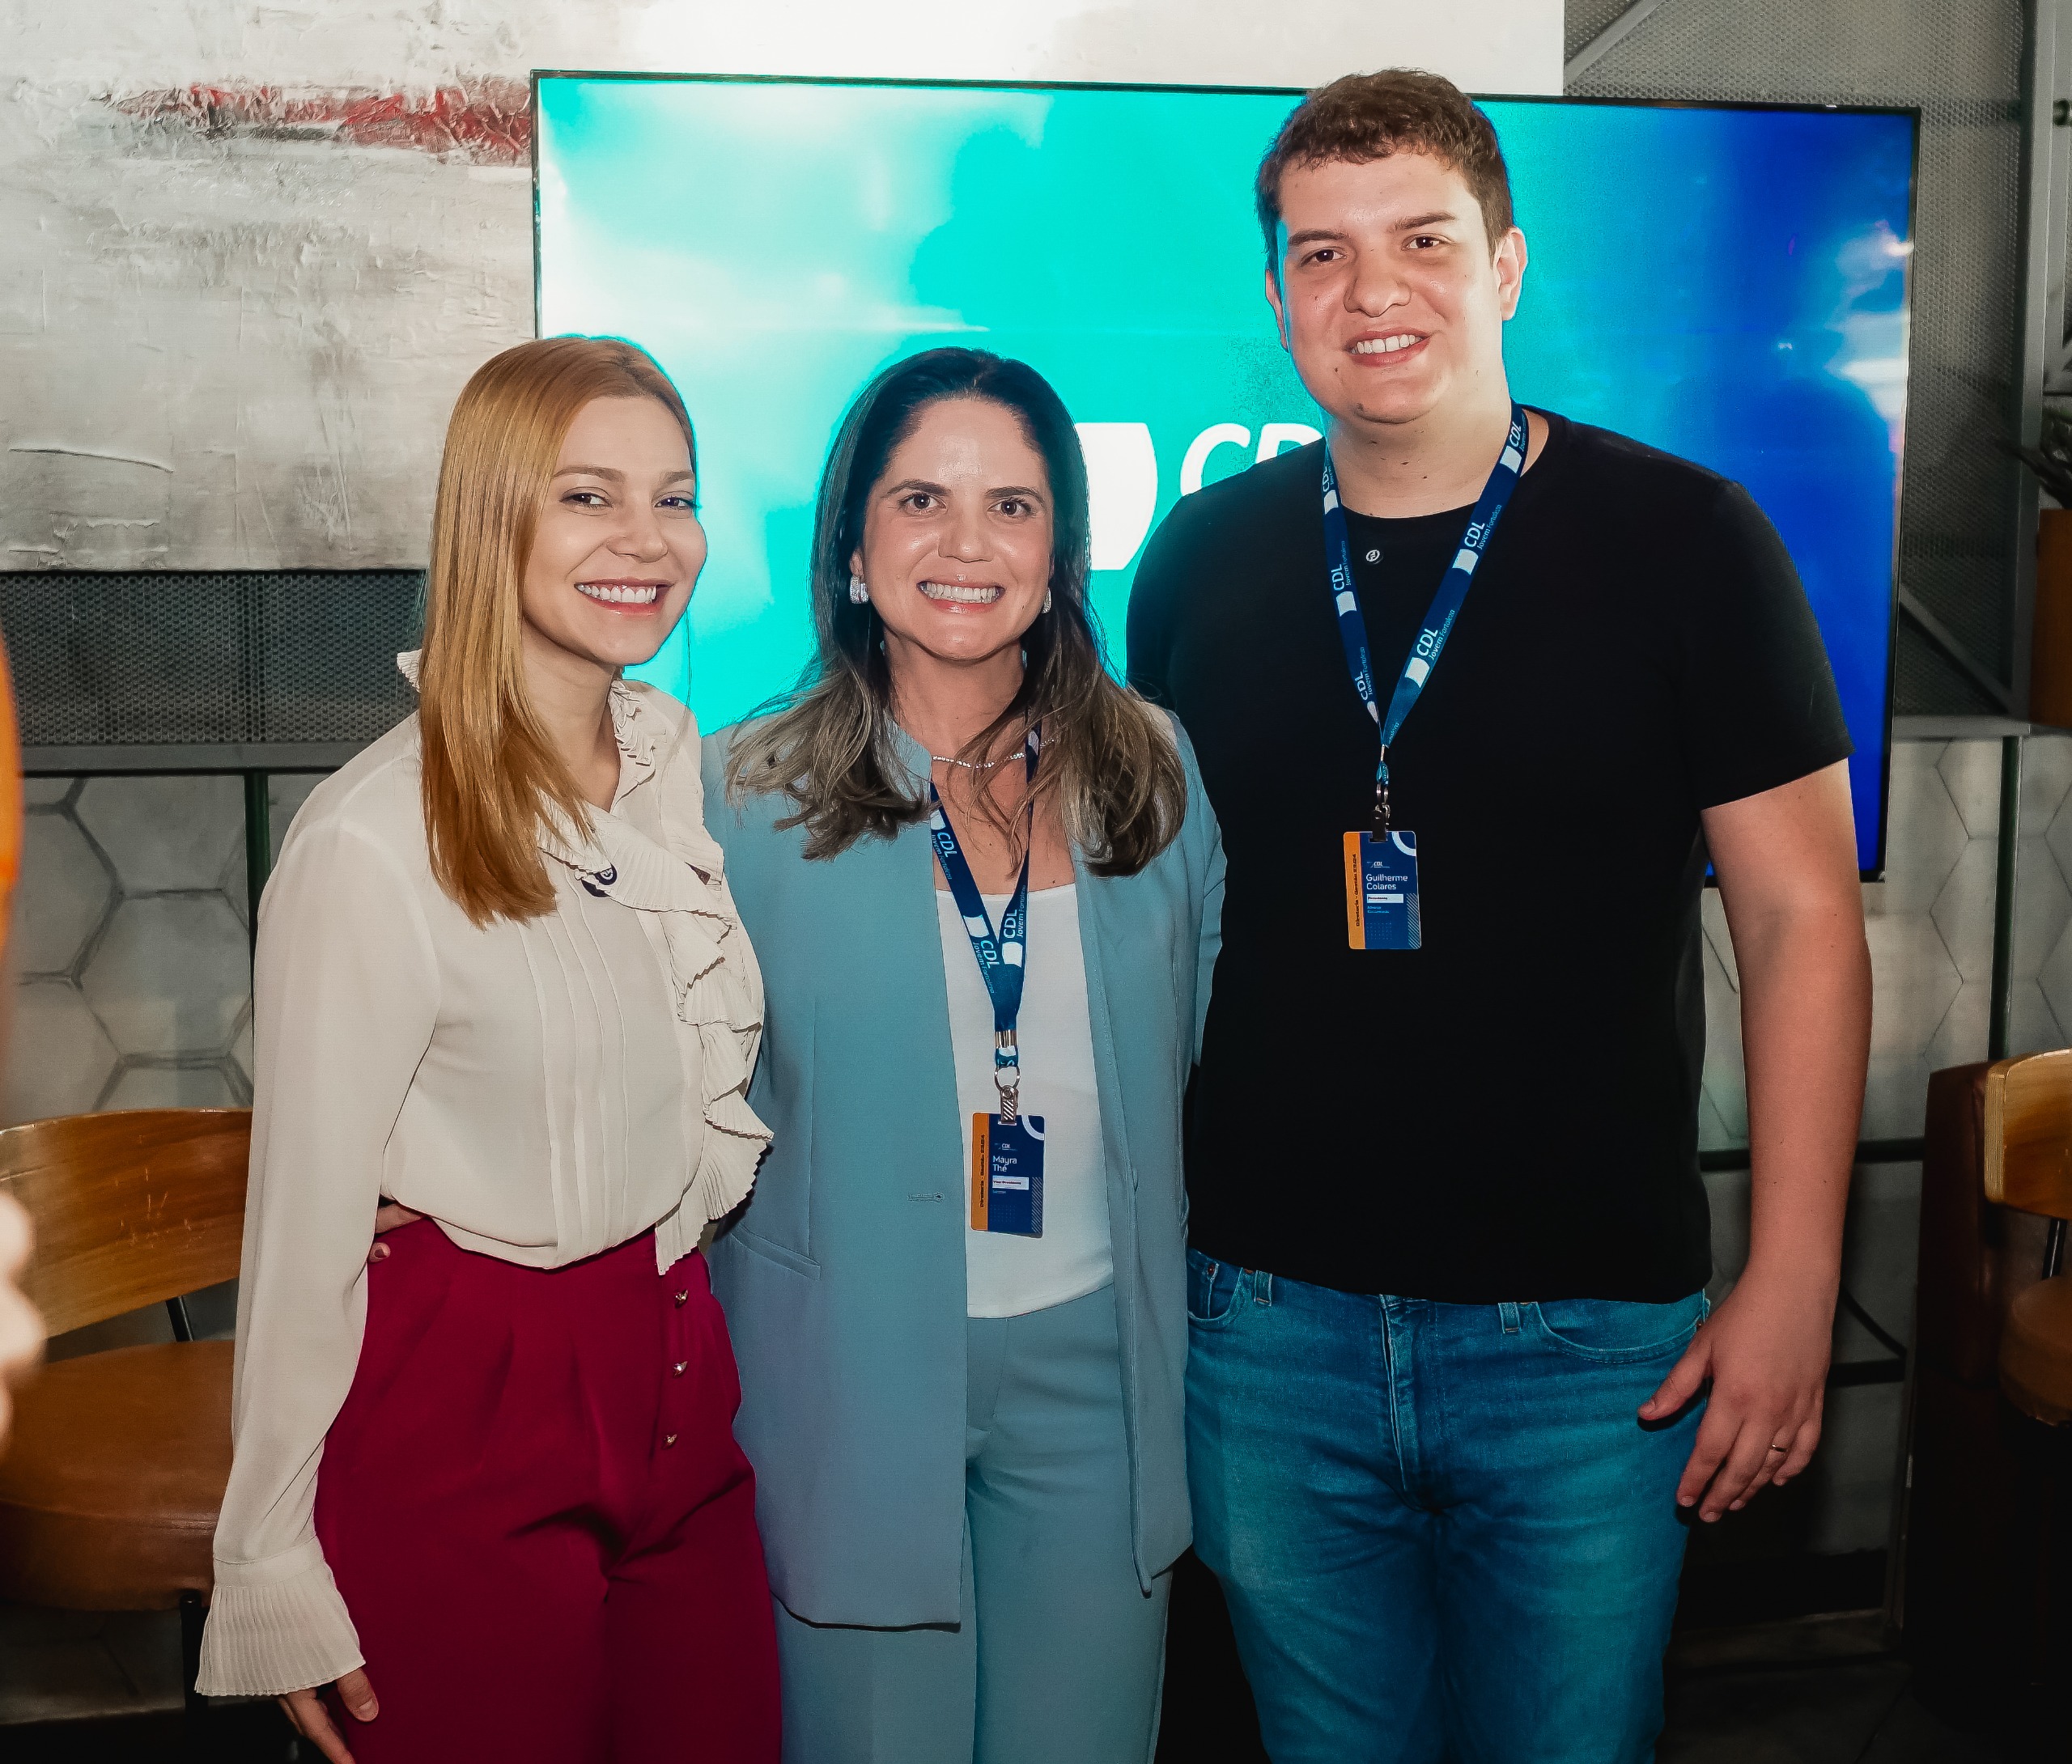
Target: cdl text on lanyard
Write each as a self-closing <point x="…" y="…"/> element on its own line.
<point x="1382" y="908"/>
<point x="1007" y="1148"/>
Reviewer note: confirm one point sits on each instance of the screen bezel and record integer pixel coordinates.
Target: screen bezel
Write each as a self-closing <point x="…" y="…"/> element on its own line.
<point x="1875" y="872"/>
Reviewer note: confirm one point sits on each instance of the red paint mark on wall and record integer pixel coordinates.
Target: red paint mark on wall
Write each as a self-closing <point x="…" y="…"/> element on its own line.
<point x="485" y="121"/>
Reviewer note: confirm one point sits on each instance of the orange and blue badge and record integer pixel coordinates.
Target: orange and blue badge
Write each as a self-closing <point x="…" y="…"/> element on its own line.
<point x="1007" y="1174"/>
<point x="1381" y="892"/>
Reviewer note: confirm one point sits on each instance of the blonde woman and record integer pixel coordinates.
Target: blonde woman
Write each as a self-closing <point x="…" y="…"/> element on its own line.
<point x="486" y="1487"/>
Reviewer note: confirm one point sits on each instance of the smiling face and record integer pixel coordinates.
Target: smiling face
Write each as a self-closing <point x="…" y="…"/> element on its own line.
<point x="619" y="545"/>
<point x="1392" y="297"/>
<point x="956" y="548"/>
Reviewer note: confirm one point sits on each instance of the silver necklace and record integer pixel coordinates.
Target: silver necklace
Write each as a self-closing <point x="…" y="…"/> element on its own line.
<point x="968" y="766"/>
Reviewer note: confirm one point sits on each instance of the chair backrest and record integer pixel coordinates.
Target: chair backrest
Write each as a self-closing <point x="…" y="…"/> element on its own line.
<point x="131" y="1208"/>
<point x="2028" y="1133"/>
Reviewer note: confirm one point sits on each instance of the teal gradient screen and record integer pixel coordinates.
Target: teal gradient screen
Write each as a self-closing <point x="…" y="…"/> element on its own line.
<point x="1727" y="283"/>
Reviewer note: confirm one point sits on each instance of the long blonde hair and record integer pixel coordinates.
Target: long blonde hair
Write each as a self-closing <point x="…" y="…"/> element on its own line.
<point x="1110" y="763"/>
<point x="491" y="777"/>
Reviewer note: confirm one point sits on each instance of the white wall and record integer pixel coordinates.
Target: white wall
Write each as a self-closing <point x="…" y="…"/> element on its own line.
<point x="254" y="246"/>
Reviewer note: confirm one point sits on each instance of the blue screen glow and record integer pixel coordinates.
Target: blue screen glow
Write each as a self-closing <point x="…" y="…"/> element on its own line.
<point x="1727" y="284"/>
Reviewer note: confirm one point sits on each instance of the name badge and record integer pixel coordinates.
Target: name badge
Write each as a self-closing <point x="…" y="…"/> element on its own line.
<point x="1007" y="1175"/>
<point x="1381" y="892"/>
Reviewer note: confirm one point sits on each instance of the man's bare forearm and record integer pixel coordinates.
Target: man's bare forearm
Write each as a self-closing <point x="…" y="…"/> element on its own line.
<point x="1786" y="862"/>
<point x="1805" y="1037"/>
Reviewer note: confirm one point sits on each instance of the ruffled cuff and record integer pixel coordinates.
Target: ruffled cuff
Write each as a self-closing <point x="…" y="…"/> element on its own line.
<point x="718" y="999"/>
<point x="276" y="1626"/>
<point x="734" y="1142"/>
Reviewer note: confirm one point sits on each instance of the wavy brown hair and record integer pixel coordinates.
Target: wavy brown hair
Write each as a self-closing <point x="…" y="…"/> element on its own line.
<point x="1361" y="117"/>
<point x="1110" y="761"/>
<point x="491" y="777"/>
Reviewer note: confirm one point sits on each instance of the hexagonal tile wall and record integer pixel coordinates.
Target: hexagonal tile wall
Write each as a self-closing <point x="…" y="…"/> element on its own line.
<point x="135" y="962"/>
<point x="1929" y="924"/>
<point x="171" y="1087"/>
<point x="2047" y="801"/>
<point x="164" y="834"/>
<point x="170" y="975"/>
<point x="60" y="1060"/>
<point x="67" y="903"/>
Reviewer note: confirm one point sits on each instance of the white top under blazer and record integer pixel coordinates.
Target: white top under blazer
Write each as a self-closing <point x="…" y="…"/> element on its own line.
<point x="1005" y="1275"/>
<point x="544" y="1090"/>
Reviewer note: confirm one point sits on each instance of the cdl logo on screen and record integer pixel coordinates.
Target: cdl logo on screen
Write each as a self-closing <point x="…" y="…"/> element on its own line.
<point x="1122" y="475"/>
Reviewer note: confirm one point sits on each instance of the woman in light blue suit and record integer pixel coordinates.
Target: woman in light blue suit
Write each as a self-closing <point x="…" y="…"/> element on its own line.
<point x="985" y="888"/>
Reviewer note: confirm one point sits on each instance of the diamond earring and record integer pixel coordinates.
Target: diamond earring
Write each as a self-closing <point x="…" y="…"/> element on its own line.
<point x="858" y="595"/>
<point x="1047" y="599"/>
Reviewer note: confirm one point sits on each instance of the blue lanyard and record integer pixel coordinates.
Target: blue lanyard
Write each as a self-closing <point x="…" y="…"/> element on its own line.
<point x="1445" y="605"/>
<point x="1001" y="954"/>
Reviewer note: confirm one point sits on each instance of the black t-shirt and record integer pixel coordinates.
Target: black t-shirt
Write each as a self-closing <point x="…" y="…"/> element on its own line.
<point x="1510" y="1113"/>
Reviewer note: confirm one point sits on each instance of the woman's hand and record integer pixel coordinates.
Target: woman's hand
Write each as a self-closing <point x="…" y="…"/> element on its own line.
<point x="306" y="1712"/>
<point x="389" y="1216"/>
<point x="21" y="1329"/>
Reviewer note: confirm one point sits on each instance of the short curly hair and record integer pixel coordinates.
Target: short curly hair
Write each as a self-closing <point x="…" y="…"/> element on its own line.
<point x="1364" y="117"/>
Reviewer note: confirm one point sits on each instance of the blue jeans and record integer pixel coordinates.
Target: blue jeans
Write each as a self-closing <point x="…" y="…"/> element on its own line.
<point x="1442" y="1530"/>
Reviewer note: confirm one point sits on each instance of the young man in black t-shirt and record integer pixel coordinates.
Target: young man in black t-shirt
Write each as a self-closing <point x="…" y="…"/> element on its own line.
<point x="1447" y="1391"/>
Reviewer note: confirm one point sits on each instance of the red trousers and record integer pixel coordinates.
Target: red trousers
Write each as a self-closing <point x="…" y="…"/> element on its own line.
<point x="533" y="1505"/>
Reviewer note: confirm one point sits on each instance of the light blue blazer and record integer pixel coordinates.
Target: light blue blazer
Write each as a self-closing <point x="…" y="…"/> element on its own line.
<point x="843" y="1282"/>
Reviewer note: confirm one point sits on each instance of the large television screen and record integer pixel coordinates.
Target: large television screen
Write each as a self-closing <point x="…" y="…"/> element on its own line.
<point x="1727" y="282"/>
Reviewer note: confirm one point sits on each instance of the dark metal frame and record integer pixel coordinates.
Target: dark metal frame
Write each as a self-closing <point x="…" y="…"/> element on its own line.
<point x="2008" y="855"/>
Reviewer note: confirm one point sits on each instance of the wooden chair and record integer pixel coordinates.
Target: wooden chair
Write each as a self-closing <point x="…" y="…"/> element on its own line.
<point x="109" y="1493"/>
<point x="1975" y="1591"/>
<point x="2028" y="1165"/>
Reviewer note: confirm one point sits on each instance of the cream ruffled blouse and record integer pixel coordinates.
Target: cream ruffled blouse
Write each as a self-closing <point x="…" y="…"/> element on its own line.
<point x="544" y="1090"/>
